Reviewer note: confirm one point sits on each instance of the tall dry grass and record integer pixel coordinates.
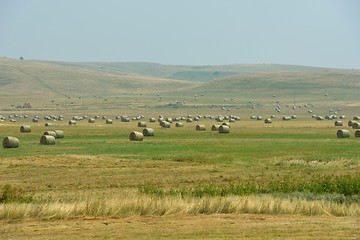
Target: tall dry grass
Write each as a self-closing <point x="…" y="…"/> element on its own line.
<point x="133" y="203"/>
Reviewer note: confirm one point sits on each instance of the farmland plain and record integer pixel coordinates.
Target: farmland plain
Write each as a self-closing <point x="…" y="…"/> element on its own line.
<point x="288" y="179"/>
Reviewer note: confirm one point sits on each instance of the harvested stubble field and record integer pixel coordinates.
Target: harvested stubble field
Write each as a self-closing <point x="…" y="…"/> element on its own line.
<point x="285" y="180"/>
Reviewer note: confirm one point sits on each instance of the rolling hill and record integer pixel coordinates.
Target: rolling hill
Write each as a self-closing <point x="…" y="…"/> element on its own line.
<point x="38" y="81"/>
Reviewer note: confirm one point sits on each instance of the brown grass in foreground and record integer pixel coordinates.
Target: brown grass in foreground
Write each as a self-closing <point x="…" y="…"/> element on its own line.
<point x="134" y="204"/>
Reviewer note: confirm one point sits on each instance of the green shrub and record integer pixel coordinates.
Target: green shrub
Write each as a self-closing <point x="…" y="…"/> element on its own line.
<point x="11" y="194"/>
<point x="346" y="186"/>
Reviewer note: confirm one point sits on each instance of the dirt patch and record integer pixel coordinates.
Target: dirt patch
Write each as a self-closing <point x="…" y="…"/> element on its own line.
<point x="187" y="227"/>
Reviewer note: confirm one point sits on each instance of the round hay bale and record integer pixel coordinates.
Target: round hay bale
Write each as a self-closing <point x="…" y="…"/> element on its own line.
<point x="25" y="129"/>
<point x="35" y="120"/>
<point x="343" y="133"/>
<point x="109" y="121"/>
<point x="59" y="133"/>
<point x="293" y="117"/>
<point x="91" y="120"/>
<point x="125" y="119"/>
<point x="356" y="125"/>
<point x="179" y="124"/>
<point x="200" y="128"/>
<point x="268" y="120"/>
<point x="350" y="123"/>
<point x="219" y="119"/>
<point x="50" y="133"/>
<point x="72" y="122"/>
<point x="165" y="124"/>
<point x="226" y="124"/>
<point x="356" y="118"/>
<point x="259" y="118"/>
<point x="189" y="120"/>
<point x="342" y="116"/>
<point x="338" y="123"/>
<point x="148" y="132"/>
<point x="47" y="140"/>
<point x="152" y="120"/>
<point x="319" y="118"/>
<point x="169" y="119"/>
<point x="357" y="133"/>
<point x="215" y="127"/>
<point x="12" y="120"/>
<point x="141" y="124"/>
<point x="136" y="136"/>
<point x="224" y="129"/>
<point x="11" y="142"/>
<point x="286" y="118"/>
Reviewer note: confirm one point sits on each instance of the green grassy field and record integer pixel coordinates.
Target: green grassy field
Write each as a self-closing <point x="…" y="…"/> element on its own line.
<point x="249" y="141"/>
<point x="286" y="168"/>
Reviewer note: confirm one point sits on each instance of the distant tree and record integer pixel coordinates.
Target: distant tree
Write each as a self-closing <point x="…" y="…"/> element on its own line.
<point x="21" y="59"/>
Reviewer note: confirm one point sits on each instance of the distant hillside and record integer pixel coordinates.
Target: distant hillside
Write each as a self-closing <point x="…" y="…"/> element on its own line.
<point x="37" y="80"/>
<point x="53" y="78"/>
<point x="321" y="86"/>
<point x="183" y="72"/>
<point x="309" y="81"/>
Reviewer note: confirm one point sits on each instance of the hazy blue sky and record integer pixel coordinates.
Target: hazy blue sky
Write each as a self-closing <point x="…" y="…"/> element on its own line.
<point x="196" y="32"/>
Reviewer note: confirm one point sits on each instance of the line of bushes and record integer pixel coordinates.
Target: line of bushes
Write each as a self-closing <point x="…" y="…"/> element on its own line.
<point x="340" y="185"/>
